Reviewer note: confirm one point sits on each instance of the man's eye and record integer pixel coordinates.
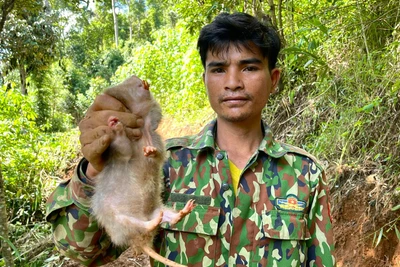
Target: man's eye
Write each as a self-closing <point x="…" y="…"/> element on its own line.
<point x="217" y="70"/>
<point x="250" y="68"/>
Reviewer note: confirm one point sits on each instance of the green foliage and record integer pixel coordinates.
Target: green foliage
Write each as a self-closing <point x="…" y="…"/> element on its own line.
<point x="52" y="116"/>
<point x="196" y="14"/>
<point x="31" y="160"/>
<point x="19" y="8"/>
<point x="28" y="156"/>
<point x="338" y="89"/>
<point x="142" y="18"/>
<point x="29" y="42"/>
<point x="106" y="64"/>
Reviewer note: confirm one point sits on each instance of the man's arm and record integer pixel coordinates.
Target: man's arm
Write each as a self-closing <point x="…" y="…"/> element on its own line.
<point x="320" y="246"/>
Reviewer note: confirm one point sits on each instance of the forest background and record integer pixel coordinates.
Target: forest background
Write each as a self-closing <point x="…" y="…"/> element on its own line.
<point x="338" y="99"/>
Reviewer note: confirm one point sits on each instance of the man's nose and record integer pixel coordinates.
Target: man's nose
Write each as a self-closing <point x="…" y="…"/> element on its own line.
<point x="233" y="81"/>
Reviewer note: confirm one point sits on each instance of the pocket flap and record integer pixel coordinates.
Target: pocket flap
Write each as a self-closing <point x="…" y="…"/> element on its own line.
<point x="285" y="225"/>
<point x="202" y="220"/>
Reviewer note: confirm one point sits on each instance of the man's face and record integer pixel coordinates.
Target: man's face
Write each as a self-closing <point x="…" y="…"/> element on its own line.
<point x="239" y="83"/>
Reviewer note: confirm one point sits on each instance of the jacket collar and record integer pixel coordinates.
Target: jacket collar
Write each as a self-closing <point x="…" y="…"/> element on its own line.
<point x="206" y="139"/>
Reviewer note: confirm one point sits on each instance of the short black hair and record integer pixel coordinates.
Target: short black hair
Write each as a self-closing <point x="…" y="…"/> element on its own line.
<point x="240" y="29"/>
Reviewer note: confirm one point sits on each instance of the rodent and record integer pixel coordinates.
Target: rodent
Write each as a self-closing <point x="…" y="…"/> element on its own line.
<point x="127" y="199"/>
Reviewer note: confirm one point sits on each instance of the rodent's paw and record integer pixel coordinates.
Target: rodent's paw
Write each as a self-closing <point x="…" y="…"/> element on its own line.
<point x="182" y="213"/>
<point x="188" y="208"/>
<point x="150" y="151"/>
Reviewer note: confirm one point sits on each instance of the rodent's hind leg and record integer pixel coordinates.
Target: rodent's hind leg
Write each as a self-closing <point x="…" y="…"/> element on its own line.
<point x="153" y="223"/>
<point x="147" y="226"/>
<point x="173" y="217"/>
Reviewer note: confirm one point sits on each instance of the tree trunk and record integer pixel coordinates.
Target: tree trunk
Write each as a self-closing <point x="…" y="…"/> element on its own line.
<point x="280" y="23"/>
<point x="129" y="19"/>
<point x="292" y="16"/>
<point x="22" y="75"/>
<point x="256" y="11"/>
<point x="115" y="22"/>
<point x="272" y="13"/>
<point x="4" y="247"/>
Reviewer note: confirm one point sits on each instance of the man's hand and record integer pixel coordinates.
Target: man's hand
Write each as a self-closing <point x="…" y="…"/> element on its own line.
<point x="96" y="135"/>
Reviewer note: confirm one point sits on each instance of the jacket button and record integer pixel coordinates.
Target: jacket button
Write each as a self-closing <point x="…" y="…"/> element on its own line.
<point x="225" y="186"/>
<point x="220" y="156"/>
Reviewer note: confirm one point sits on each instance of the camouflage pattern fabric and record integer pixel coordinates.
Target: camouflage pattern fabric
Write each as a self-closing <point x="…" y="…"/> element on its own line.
<point x="279" y="217"/>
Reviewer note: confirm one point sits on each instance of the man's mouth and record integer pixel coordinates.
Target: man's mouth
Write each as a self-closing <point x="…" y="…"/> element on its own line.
<point x="235" y="99"/>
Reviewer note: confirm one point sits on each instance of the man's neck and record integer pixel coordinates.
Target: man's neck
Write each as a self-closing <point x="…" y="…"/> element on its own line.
<point x="239" y="140"/>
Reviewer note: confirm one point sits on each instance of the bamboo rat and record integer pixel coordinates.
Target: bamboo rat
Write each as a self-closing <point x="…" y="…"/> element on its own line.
<point x="127" y="200"/>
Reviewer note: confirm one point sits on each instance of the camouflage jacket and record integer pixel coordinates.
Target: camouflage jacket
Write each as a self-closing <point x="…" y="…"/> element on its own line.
<point x="279" y="216"/>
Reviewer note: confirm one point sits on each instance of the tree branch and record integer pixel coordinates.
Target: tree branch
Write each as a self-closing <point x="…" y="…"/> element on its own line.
<point x="5" y="10"/>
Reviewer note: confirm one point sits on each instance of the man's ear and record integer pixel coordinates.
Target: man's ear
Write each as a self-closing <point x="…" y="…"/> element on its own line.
<point x="275" y="76"/>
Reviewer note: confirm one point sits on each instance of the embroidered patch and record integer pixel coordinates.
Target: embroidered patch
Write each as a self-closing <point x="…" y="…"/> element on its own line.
<point x="290" y="203"/>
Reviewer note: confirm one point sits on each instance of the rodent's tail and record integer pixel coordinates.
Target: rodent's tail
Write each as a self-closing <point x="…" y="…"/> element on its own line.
<point x="149" y="251"/>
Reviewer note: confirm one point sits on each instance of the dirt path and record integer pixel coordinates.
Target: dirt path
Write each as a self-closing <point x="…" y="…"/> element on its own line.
<point x="127" y="259"/>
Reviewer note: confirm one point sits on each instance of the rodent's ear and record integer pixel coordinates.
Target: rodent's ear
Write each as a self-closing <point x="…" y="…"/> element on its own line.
<point x="146" y="85"/>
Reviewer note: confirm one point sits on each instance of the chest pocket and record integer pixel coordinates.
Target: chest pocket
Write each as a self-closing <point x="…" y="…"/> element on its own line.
<point x="194" y="239"/>
<point x="282" y="239"/>
<point x="285" y="225"/>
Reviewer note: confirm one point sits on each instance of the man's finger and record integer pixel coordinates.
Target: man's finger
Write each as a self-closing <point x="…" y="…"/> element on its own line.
<point x="129" y="120"/>
<point x="89" y="136"/>
<point x="103" y="144"/>
<point x="106" y="102"/>
<point x="93" y="152"/>
<point x="100" y="118"/>
<point x="133" y="133"/>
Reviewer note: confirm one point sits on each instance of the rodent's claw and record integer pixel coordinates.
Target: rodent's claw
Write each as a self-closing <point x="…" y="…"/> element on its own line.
<point x="188" y="207"/>
<point x="149" y="151"/>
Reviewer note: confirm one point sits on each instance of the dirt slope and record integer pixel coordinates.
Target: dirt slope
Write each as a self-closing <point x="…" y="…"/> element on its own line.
<point x="361" y="208"/>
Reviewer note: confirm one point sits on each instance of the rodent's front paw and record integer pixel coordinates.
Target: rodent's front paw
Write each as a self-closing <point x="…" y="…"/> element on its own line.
<point x="150" y="151"/>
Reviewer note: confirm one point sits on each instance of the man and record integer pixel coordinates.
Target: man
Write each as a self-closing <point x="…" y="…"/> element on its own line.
<point x="258" y="202"/>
